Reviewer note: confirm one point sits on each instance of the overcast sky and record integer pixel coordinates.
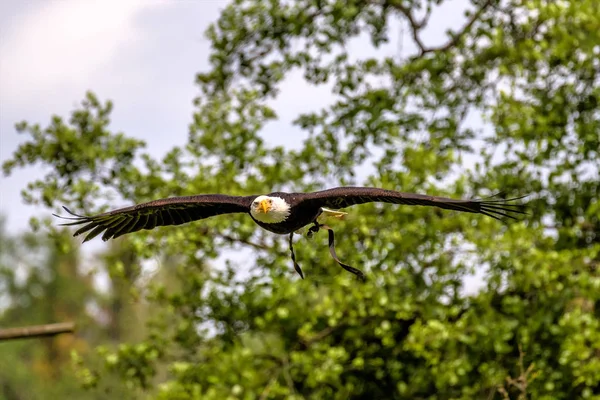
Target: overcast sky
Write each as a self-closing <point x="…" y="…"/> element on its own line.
<point x="143" y="55"/>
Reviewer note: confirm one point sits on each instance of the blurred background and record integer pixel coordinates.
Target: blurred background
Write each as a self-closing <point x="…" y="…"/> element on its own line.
<point x="106" y="104"/>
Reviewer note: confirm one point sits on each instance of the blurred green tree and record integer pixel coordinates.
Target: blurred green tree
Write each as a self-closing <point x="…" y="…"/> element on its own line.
<point x="529" y="68"/>
<point x="42" y="280"/>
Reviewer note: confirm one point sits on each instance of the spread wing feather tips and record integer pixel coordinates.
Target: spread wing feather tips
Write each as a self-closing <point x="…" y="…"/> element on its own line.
<point x="342" y="197"/>
<point x="170" y="211"/>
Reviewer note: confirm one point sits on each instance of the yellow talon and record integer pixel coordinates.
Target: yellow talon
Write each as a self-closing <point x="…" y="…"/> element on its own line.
<point x="332" y="213"/>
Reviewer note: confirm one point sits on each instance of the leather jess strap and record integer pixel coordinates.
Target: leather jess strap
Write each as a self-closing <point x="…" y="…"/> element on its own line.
<point x="312" y="230"/>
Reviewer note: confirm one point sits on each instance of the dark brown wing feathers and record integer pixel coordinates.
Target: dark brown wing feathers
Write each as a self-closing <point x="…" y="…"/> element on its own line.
<point x="348" y="196"/>
<point x="170" y="211"/>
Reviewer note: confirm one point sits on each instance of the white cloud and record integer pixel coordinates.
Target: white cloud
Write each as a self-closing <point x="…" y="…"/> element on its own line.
<point x="52" y="52"/>
<point x="62" y="44"/>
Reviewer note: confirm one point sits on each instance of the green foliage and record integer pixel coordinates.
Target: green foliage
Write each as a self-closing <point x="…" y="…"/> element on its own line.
<point x="42" y="281"/>
<point x="528" y="67"/>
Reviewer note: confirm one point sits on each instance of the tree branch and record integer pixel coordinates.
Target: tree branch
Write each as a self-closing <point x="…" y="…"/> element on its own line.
<point x="417" y="26"/>
<point x="231" y="239"/>
<point x="464" y="29"/>
<point x="414" y="25"/>
<point x="265" y="393"/>
<point x="35" y="331"/>
<point x="307" y="342"/>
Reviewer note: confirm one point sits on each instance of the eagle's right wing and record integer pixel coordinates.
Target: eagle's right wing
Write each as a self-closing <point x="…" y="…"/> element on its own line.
<point x="163" y="212"/>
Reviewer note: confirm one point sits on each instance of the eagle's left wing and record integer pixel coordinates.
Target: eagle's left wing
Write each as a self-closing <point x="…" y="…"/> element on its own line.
<point x="342" y="197"/>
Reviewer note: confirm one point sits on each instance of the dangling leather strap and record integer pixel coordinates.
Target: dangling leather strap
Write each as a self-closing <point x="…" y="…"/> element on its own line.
<point x="296" y="266"/>
<point x="348" y="268"/>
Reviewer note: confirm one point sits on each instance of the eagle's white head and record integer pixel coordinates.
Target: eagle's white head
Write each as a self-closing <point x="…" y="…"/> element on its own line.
<point x="270" y="210"/>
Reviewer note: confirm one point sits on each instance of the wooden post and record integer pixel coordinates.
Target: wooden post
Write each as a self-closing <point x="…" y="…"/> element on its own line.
<point x="35" y="331"/>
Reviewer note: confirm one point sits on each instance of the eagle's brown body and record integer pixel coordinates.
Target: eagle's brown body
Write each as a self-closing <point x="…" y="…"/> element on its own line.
<point x="301" y="214"/>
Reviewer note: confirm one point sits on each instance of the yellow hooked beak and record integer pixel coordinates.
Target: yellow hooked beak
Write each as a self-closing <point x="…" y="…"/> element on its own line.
<point x="264" y="206"/>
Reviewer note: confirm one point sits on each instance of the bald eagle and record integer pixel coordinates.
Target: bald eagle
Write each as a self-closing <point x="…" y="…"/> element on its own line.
<point x="278" y="212"/>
